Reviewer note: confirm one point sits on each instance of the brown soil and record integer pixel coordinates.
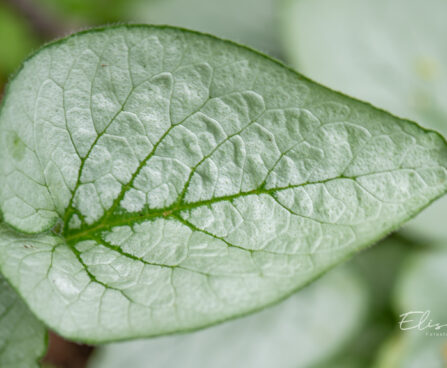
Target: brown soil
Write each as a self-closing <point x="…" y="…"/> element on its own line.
<point x="66" y="354"/>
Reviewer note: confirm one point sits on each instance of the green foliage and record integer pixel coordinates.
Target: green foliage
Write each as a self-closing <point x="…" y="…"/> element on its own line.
<point x="412" y="294"/>
<point x="22" y="336"/>
<point x="174" y="180"/>
<point x="86" y="11"/>
<point x="420" y="289"/>
<point x="16" y="41"/>
<point x="330" y="310"/>
<point x="379" y="267"/>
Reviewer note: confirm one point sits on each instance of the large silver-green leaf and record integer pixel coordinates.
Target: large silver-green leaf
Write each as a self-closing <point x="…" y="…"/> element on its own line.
<point x="22" y="336"/>
<point x="389" y="52"/>
<point x="189" y="180"/>
<point x="306" y="329"/>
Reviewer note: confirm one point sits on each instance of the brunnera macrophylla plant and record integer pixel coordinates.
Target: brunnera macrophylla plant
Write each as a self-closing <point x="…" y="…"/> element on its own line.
<point x="156" y="180"/>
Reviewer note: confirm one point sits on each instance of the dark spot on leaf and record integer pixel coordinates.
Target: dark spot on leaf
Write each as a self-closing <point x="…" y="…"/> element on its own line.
<point x="57" y="228"/>
<point x="16" y="146"/>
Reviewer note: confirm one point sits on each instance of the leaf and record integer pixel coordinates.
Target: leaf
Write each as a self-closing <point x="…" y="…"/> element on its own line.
<point x="81" y="12"/>
<point x="361" y="350"/>
<point x="380" y="322"/>
<point x="288" y="335"/>
<point x="188" y="180"/>
<point x="390" y="254"/>
<point x="413" y="351"/>
<point x="16" y="40"/>
<point x="422" y="284"/>
<point x="22" y="336"/>
<point x="421" y="287"/>
<point x="389" y="53"/>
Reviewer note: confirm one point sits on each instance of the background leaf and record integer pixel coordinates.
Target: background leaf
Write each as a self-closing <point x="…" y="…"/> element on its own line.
<point x="254" y="23"/>
<point x="22" y="336"/>
<point x="411" y="351"/>
<point x="421" y="287"/>
<point x="307" y="328"/>
<point x="16" y="40"/>
<point x="379" y="267"/>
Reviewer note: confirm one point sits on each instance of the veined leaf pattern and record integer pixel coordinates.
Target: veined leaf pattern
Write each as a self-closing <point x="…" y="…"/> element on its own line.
<point x="187" y="180"/>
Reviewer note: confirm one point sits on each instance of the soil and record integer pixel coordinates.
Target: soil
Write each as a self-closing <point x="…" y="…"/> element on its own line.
<point x="66" y="354"/>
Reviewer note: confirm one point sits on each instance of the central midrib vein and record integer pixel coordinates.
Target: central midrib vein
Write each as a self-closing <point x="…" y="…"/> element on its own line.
<point x="174" y="210"/>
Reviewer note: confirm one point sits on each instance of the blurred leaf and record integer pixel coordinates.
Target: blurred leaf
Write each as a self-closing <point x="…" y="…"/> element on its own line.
<point x="380" y="320"/>
<point x="421" y="287"/>
<point x="391" y="53"/>
<point x="422" y="284"/>
<point x="389" y="255"/>
<point x="306" y="328"/>
<point x="22" y="336"/>
<point x="409" y="350"/>
<point x="16" y="41"/>
<point x="251" y="22"/>
<point x="88" y="12"/>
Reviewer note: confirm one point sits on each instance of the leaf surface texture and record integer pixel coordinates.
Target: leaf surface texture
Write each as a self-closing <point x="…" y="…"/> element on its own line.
<point x="173" y="180"/>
